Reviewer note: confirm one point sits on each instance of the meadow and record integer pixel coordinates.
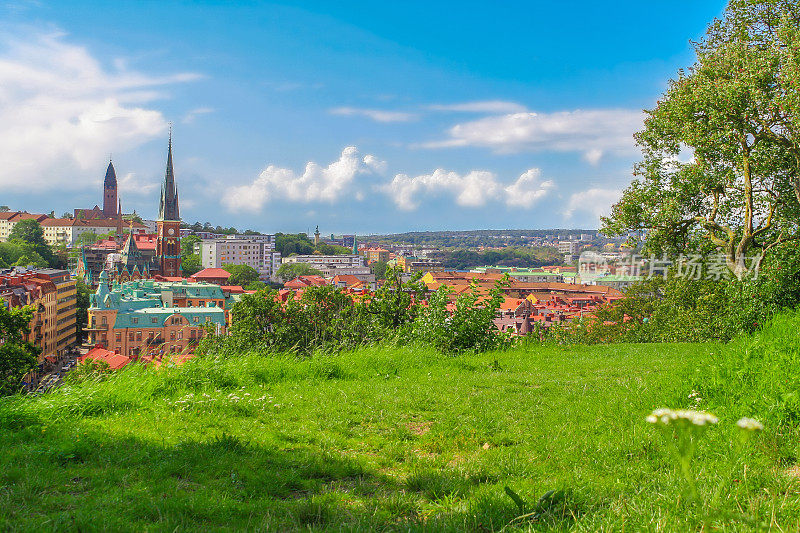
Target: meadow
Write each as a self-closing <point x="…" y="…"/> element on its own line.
<point x="401" y="438"/>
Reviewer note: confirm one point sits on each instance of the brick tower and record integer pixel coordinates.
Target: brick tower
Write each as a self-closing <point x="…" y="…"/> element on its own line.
<point x="110" y="192"/>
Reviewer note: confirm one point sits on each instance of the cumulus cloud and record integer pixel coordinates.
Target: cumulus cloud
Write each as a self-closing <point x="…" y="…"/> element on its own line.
<point x="474" y="189"/>
<point x="485" y="106"/>
<point x="315" y="184"/>
<point x="596" y="202"/>
<point x="378" y="115"/>
<point x="62" y="112"/>
<point x="592" y="132"/>
<point x="528" y="189"/>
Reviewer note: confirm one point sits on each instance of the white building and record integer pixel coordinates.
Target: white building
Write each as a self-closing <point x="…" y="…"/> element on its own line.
<point x="332" y="265"/>
<point x="256" y="251"/>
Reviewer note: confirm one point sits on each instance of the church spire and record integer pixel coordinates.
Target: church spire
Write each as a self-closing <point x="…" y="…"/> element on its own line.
<point x="168" y="210"/>
<point x="110" y="192"/>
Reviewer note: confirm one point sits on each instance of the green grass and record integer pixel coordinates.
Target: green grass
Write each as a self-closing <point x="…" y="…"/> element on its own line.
<point x="386" y="439"/>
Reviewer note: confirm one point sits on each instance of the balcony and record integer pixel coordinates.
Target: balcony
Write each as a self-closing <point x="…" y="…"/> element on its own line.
<point x="97" y="327"/>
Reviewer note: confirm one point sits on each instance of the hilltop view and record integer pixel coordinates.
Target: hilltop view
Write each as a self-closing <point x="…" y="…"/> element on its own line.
<point x="306" y="266"/>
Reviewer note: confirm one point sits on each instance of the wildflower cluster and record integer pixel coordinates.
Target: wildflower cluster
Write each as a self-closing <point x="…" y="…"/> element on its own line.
<point x="668" y="417"/>
<point x="749" y="424"/>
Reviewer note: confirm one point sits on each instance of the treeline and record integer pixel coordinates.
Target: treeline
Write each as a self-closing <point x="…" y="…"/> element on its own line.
<point x="328" y="319"/>
<point x="299" y="243"/>
<point x="474" y="238"/>
<point x="197" y="226"/>
<point x="512" y="257"/>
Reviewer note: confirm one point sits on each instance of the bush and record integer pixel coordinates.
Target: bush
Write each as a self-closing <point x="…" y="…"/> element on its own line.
<point x="328" y="319"/>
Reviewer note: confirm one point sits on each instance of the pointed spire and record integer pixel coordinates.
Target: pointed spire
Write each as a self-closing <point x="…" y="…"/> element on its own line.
<point x="168" y="209"/>
<point x="111" y="177"/>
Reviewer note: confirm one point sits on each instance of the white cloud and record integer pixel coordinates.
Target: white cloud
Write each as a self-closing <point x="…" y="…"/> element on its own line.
<point x="528" y="189"/>
<point x="378" y="115"/>
<point x="315" y="184"/>
<point x="593" y="132"/>
<point x="474" y="189"/>
<point x="62" y="112"/>
<point x="130" y="184"/>
<point x="189" y="117"/>
<point x="596" y="202"/>
<point x="486" y="106"/>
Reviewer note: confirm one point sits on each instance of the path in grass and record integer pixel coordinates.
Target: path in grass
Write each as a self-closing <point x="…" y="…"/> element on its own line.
<point x="379" y="439"/>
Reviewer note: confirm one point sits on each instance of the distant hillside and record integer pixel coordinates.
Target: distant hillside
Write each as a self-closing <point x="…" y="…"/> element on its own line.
<point x="473" y="238"/>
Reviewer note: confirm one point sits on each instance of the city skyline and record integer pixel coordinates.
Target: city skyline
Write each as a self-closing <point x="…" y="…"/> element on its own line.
<point x="360" y="120"/>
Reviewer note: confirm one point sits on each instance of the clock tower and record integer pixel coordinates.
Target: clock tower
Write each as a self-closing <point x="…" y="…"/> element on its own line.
<point x="168" y="243"/>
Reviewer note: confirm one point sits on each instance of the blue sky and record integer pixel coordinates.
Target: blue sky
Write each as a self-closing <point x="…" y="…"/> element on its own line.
<point x="357" y="116"/>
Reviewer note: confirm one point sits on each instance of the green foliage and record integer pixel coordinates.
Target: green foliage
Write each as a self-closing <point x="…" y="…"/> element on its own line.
<point x="300" y="243"/>
<point x="293" y="243"/>
<point x="31" y="258"/>
<point x="29" y="236"/>
<point x="17" y="356"/>
<point x="255" y="286"/>
<point x="289" y="271"/>
<point x="327" y="319"/>
<point x="513" y="257"/>
<point x="191" y="264"/>
<point x="87" y="238"/>
<point x="241" y="274"/>
<point x="469" y="327"/>
<point x="736" y="111"/>
<point x="83" y="297"/>
<point x="379" y="269"/>
<point x="187" y="245"/>
<point x="385" y="439"/>
<point x="758" y="375"/>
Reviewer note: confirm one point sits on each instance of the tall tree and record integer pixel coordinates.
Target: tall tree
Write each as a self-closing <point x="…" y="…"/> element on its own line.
<point x="17" y="356"/>
<point x="736" y="112"/>
<point x="30" y="235"/>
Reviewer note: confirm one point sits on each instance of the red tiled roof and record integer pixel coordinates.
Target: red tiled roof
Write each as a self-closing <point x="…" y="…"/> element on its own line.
<point x="213" y="273"/>
<point x="302" y="282"/>
<point x="114" y="360"/>
<point x="235" y="289"/>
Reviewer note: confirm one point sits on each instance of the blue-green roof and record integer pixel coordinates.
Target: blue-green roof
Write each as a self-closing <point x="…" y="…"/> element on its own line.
<point x="144" y="317"/>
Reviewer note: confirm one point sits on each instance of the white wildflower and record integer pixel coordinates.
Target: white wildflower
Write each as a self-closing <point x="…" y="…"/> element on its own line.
<point x="667" y="416"/>
<point x="750" y="424"/>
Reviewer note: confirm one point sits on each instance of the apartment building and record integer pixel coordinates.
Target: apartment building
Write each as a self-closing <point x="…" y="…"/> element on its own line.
<point x="53" y="295"/>
<point x="332" y="265"/>
<point x="256" y="251"/>
<point x="9" y="219"/>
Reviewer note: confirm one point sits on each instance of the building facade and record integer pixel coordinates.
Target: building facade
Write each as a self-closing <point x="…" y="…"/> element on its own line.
<point x="153" y="318"/>
<point x="52" y="294"/>
<point x="256" y="251"/>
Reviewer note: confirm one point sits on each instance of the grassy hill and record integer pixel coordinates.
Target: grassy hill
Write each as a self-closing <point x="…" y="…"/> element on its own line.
<point x="385" y="439"/>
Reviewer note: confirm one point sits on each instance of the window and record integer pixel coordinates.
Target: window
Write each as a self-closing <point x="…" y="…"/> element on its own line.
<point x="130" y="336"/>
<point x="119" y="337"/>
<point x="196" y="319"/>
<point x="154" y="320"/>
<point x="135" y="320"/>
<point x="172" y="336"/>
<point x="104" y="321"/>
